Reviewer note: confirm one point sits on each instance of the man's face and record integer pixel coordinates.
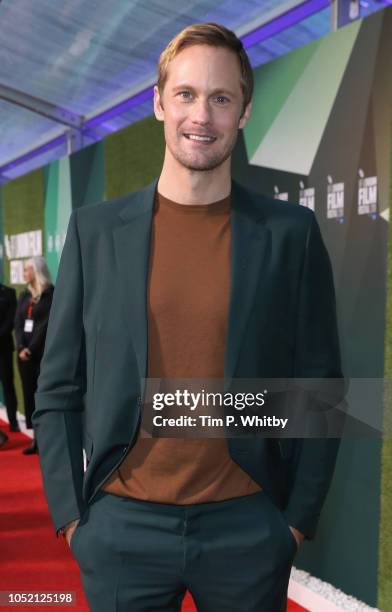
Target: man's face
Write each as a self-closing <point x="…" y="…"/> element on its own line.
<point x="201" y="106"/>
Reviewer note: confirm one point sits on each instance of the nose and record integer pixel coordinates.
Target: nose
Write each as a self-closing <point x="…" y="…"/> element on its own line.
<point x="201" y="112"/>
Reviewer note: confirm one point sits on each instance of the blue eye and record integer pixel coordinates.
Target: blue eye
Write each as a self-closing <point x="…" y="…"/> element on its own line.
<point x="185" y="95"/>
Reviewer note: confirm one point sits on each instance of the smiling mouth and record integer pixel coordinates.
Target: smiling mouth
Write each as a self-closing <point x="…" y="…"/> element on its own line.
<point x="200" y="138"/>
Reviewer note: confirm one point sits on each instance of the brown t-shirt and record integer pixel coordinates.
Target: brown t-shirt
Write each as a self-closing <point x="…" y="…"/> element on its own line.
<point x="188" y="301"/>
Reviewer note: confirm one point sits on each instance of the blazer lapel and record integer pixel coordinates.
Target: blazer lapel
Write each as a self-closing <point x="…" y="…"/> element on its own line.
<point x="249" y="239"/>
<point x="132" y="246"/>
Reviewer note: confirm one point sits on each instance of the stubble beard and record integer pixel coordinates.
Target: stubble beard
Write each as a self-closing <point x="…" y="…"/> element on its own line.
<point x="202" y="165"/>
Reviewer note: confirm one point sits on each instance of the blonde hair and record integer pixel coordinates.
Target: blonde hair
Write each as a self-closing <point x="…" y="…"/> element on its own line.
<point x="214" y="35"/>
<point x="41" y="273"/>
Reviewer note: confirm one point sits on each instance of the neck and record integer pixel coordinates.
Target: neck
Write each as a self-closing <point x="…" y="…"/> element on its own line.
<point x="185" y="186"/>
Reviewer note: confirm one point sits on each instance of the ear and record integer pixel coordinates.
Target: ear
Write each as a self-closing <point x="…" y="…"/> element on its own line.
<point x="245" y="116"/>
<point x="158" y="108"/>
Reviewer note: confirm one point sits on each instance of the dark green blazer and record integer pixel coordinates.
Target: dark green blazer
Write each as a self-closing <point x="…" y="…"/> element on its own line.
<point x="282" y="323"/>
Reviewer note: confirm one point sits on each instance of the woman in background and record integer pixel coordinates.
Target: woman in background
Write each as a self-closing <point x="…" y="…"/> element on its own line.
<point x="31" y="322"/>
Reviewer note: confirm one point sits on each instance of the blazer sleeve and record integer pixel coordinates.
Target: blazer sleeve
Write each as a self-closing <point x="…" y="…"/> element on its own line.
<point x="59" y="409"/>
<point x="317" y="356"/>
<point x="7" y="325"/>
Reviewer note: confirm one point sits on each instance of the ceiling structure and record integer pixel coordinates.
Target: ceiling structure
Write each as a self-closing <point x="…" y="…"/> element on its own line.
<point x="73" y="72"/>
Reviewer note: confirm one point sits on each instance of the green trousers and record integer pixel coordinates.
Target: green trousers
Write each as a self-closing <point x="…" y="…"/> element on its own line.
<point x="233" y="556"/>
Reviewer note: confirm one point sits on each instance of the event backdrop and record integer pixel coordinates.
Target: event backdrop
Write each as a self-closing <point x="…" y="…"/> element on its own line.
<point x="319" y="137"/>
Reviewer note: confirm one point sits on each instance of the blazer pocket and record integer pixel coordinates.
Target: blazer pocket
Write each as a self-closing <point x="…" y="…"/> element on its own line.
<point x="73" y="539"/>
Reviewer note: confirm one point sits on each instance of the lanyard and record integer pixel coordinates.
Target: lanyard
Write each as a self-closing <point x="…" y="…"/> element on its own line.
<point x="30" y="309"/>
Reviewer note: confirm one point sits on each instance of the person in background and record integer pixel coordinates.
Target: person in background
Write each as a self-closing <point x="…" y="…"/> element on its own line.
<point x="3" y="438"/>
<point x="7" y="316"/>
<point x="31" y="322"/>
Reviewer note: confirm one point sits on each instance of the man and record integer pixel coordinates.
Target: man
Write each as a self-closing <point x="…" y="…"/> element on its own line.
<point x="198" y="278"/>
<point x="7" y="316"/>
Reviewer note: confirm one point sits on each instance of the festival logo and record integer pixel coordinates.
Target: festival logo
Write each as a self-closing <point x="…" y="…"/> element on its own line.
<point x="280" y="195"/>
<point x="367" y="194"/>
<point x="335" y="200"/>
<point x="306" y="196"/>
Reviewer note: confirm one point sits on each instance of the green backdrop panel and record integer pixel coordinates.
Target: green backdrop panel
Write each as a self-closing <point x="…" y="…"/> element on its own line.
<point x="385" y="549"/>
<point x="133" y="157"/>
<point x="57" y="210"/>
<point x="87" y="175"/>
<point x="271" y="92"/>
<point x="281" y="123"/>
<point x="23" y="211"/>
<point x="23" y="207"/>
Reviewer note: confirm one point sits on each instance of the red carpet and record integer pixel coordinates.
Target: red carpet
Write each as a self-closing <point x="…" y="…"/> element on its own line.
<point x="32" y="558"/>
